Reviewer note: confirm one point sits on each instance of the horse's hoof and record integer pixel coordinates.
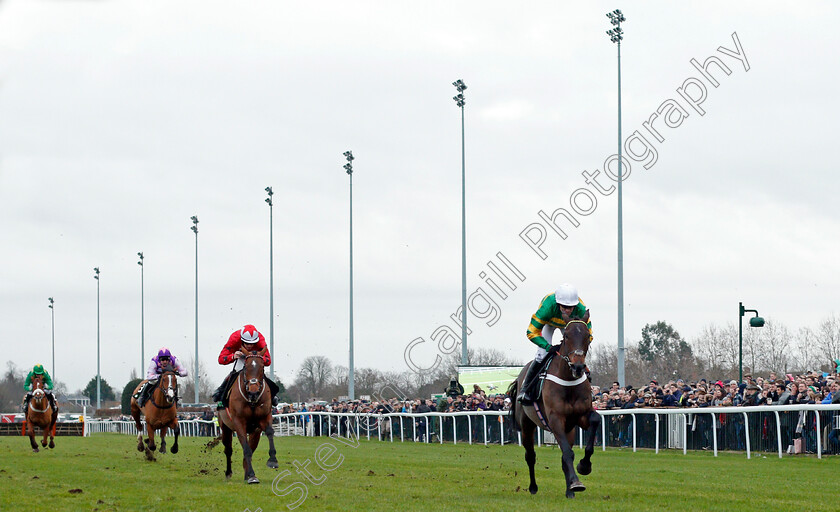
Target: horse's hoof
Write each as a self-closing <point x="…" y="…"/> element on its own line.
<point x="533" y="489"/>
<point x="140" y="447"/>
<point x="253" y="480"/>
<point x="162" y="449"/>
<point x="174" y="449"/>
<point x="52" y="444"/>
<point x="570" y="494"/>
<point x="577" y="487"/>
<point x="584" y="469"/>
<point x="35" y="449"/>
<point x="228" y="475"/>
<point x="272" y="464"/>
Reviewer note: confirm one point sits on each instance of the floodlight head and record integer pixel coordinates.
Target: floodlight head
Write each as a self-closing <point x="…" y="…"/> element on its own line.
<point x="348" y="168"/>
<point x="349" y="156"/>
<point x="194" y="219"/>
<point x="140" y="254"/>
<point x="460" y="85"/>
<point x="51" y="302"/>
<point x="269" y="191"/>
<point x="194" y="229"/>
<point x="268" y="200"/>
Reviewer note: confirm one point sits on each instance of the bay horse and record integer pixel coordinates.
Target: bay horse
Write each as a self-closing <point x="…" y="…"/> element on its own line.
<point x="40" y="413"/>
<point x="249" y="415"/>
<point x="565" y="403"/>
<point x="161" y="412"/>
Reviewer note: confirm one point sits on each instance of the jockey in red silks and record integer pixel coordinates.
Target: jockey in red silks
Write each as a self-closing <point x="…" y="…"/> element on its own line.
<point x="156" y="367"/>
<point x="241" y="343"/>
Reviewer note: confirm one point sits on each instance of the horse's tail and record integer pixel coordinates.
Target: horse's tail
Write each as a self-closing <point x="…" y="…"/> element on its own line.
<point x="512" y="391"/>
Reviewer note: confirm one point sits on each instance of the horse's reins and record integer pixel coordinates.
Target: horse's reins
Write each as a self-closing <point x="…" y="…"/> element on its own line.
<point x="45" y="409"/>
<point x="168" y="403"/>
<point x="566" y="358"/>
<point x="256" y="401"/>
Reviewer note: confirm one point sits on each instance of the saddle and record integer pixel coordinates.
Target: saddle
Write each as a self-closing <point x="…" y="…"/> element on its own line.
<point x="229" y="388"/>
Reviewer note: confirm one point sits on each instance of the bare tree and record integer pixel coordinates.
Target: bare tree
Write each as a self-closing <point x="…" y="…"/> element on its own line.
<point x="775" y="352"/>
<point x="808" y="356"/>
<point x="186" y="385"/>
<point x="314" y="375"/>
<point x="828" y="340"/>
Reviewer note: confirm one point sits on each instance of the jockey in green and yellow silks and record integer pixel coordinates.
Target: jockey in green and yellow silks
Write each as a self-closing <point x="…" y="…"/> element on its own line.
<point x="554" y="312"/>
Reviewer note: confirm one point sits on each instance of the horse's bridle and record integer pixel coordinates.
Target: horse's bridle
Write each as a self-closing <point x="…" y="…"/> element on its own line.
<point x="169" y="401"/>
<point x="34" y="397"/>
<point x="577" y="352"/>
<point x="246" y="394"/>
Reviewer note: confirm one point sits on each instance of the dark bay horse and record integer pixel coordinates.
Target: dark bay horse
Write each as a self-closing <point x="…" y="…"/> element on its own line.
<point x="249" y="415"/>
<point x="161" y="412"/>
<point x="40" y="413"/>
<point x="565" y="403"/>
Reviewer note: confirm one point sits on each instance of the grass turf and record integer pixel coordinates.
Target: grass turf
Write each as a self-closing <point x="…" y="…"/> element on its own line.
<point x="111" y="475"/>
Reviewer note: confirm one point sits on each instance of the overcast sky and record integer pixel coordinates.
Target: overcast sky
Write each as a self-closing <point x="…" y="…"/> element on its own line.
<point x="119" y="120"/>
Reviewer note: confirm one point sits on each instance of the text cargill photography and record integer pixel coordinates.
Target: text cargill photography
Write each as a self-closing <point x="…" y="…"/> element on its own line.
<point x="526" y="256"/>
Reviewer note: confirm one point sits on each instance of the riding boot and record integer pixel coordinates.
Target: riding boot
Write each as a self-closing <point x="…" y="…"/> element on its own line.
<point x="274" y="388"/>
<point x="219" y="394"/>
<point x="525" y="396"/>
<point x="26" y="399"/>
<point x="141" y="395"/>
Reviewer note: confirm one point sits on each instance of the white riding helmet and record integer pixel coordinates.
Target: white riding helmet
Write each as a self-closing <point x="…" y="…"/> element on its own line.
<point x="566" y="295"/>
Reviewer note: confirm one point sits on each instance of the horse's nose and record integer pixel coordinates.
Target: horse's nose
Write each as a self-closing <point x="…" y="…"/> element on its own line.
<point x="578" y="368"/>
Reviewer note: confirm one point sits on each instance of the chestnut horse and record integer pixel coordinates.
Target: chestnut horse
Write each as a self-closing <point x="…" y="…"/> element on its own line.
<point x="249" y="415"/>
<point x="161" y="413"/>
<point x="40" y="413"/>
<point x="565" y="403"/>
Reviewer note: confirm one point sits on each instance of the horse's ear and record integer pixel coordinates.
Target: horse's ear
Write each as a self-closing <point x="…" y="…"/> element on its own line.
<point x="586" y="316"/>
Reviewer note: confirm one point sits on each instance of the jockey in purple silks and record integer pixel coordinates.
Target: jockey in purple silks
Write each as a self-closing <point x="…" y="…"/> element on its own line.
<point x="163" y="359"/>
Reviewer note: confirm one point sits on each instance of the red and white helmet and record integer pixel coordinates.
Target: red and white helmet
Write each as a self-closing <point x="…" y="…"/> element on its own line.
<point x="249" y="334"/>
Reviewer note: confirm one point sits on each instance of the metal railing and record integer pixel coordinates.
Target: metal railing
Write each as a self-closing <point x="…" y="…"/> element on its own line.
<point x="748" y="429"/>
<point x="811" y="428"/>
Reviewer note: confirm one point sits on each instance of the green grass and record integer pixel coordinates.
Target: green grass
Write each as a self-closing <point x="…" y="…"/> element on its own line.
<point x="112" y="475"/>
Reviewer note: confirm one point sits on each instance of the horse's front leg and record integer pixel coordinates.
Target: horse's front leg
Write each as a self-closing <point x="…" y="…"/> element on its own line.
<point x="46" y="435"/>
<point x="584" y="467"/>
<point x="31" y="431"/>
<point x="163" y="438"/>
<point x="247" y="453"/>
<point x="176" y="429"/>
<point x="150" y="439"/>
<point x="272" y="459"/>
<point x="558" y="426"/>
<point x="227" y="442"/>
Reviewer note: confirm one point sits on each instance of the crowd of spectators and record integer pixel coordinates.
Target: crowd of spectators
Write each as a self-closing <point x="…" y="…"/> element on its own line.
<point x="808" y="388"/>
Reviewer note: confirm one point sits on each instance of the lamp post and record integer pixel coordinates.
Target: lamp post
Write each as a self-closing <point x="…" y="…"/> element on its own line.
<point x="461" y="101"/>
<point x="52" y="314"/>
<point x="142" y="315"/>
<point x="755" y="321"/>
<point x="98" y="378"/>
<point x="616" y="35"/>
<point x="194" y="229"/>
<point x="350" y="379"/>
<point x="271" y="271"/>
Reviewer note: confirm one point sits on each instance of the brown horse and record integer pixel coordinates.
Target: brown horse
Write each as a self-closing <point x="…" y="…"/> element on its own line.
<point x="160" y="412"/>
<point x="249" y="415"/>
<point x="565" y="403"/>
<point x="40" y="413"/>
